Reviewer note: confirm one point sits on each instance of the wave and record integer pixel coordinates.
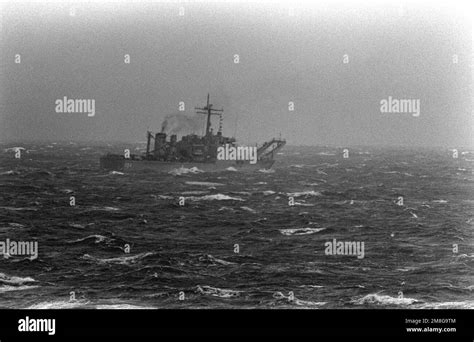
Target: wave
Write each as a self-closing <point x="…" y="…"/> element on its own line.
<point x="217" y="292"/>
<point x="304" y="193"/>
<point x="250" y="210"/>
<point x="124" y="260"/>
<point x="300" y="231"/>
<point x="60" y="304"/>
<point x="20" y="209"/>
<point x="123" y="306"/>
<point x="375" y="298"/>
<point x="304" y="204"/>
<point x="230" y="168"/>
<point x="296" y="301"/>
<point x="301" y="302"/>
<point x="216" y="197"/>
<point x="407" y="269"/>
<point x="398" y="172"/>
<point x="183" y="170"/>
<point x="268" y="192"/>
<point x="312" y="286"/>
<point x="16" y="225"/>
<point x="463" y="256"/>
<point x="9" y="288"/>
<point x="77" y="225"/>
<point x="266" y="170"/>
<point x="13" y="280"/>
<point x="208" y="258"/>
<point x="67" y="191"/>
<point x="204" y="183"/>
<point x="468" y="304"/>
<point x="164" y="197"/>
<point x="98" y="239"/>
<point x="116" y="173"/>
<point x="103" y="209"/>
<point x="10" y="172"/>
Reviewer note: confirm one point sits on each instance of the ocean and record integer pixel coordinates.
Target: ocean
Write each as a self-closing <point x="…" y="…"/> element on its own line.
<point x="241" y="240"/>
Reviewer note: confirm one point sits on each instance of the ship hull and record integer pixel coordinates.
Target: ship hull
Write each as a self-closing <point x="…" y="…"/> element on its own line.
<point x="128" y="165"/>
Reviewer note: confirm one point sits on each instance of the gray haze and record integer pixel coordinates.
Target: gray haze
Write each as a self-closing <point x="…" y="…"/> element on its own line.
<point x="283" y="58"/>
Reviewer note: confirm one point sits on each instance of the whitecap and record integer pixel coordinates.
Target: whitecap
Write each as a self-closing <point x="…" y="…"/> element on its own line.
<point x="19" y="209"/>
<point x="77" y="225"/>
<point x="375" y="298"/>
<point x="204" y="183"/>
<point x="123" y="306"/>
<point x="303" y="204"/>
<point x="300" y="302"/>
<point x="165" y="197"/>
<point x="16" y="225"/>
<point x="300" y="231"/>
<point x="60" y="304"/>
<point x="304" y="193"/>
<point x="183" y="170"/>
<point x="214" y="260"/>
<point x="296" y="301"/>
<point x="407" y="269"/>
<point x="10" y="172"/>
<point x="124" y="260"/>
<point x="9" y="288"/>
<point x="250" y="210"/>
<point x="468" y="304"/>
<point x="217" y="292"/>
<point x="67" y="191"/>
<point x="216" y="197"/>
<point x="13" y="280"/>
<point x="266" y="170"/>
<point x="98" y="238"/>
<point x="104" y="209"/>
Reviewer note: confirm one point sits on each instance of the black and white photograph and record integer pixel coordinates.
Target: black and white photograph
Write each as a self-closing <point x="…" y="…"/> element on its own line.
<point x="220" y="157"/>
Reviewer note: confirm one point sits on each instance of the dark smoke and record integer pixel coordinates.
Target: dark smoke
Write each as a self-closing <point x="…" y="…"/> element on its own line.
<point x="181" y="124"/>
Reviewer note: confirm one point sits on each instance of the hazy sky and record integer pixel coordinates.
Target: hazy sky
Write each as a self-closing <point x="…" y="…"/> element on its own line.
<point x="405" y="53"/>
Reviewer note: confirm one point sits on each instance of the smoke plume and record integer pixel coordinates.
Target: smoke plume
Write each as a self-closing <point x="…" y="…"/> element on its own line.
<point x="181" y="124"/>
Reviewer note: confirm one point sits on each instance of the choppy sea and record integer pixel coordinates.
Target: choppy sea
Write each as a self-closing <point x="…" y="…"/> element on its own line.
<point x="237" y="242"/>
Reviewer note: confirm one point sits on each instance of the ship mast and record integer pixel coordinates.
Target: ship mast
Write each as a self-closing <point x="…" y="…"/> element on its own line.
<point x="208" y="110"/>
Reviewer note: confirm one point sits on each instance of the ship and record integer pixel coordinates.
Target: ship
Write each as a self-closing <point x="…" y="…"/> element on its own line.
<point x="207" y="152"/>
